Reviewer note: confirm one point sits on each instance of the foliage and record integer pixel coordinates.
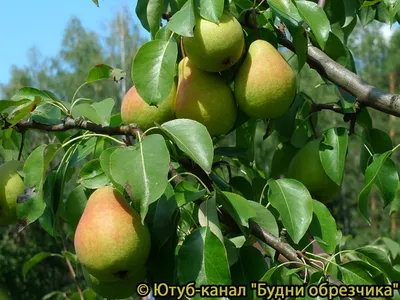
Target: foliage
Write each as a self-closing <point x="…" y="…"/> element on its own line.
<point x="206" y="200"/>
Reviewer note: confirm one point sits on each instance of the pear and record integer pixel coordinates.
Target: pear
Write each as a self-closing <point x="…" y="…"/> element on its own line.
<point x="215" y="47"/>
<point x="135" y="110"/>
<point x="265" y="85"/>
<point x="205" y="98"/>
<point x="118" y="289"/>
<point x="307" y="168"/>
<point x="110" y="240"/>
<point x="11" y="185"/>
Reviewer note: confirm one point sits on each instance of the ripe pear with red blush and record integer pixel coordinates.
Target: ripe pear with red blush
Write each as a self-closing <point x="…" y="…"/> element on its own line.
<point x="110" y="240"/>
<point x="135" y="110"/>
<point x="265" y="85"/>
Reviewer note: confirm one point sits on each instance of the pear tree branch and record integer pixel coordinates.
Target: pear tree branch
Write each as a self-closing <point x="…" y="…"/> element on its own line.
<point x="366" y="94"/>
<point x="69" y="123"/>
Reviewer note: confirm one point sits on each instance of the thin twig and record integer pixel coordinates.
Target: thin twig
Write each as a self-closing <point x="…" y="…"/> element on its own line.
<point x="321" y="3"/>
<point x="72" y="271"/>
<point x="21" y="147"/>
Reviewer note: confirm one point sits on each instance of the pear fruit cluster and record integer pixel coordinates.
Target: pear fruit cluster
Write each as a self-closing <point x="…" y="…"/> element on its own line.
<point x="11" y="185"/>
<point x="112" y="244"/>
<point x="264" y="87"/>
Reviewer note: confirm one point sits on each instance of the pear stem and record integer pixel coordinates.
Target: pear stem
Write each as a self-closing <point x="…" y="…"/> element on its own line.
<point x="182" y="48"/>
<point x="254" y="15"/>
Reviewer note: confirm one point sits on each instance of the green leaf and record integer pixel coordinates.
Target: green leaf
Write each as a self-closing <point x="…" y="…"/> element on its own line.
<point x="210" y="10"/>
<point x="332" y="153"/>
<point x="294" y="203"/>
<point x="208" y="217"/>
<point x="102" y="71"/>
<point x="33" y="261"/>
<point x="153" y="70"/>
<point x="46" y="114"/>
<point x="154" y="10"/>
<point x="35" y="167"/>
<point x="283" y="155"/>
<point x="141" y="12"/>
<point x="371" y="174"/>
<point x="368" y="3"/>
<point x="162" y="223"/>
<point x="238" y="207"/>
<point x="354" y="273"/>
<point x="160" y="218"/>
<point x="92" y="175"/>
<point x="286" y="10"/>
<point x="267" y="221"/>
<point x="245" y="135"/>
<point x="96" y="2"/>
<point x="105" y="157"/>
<point x="71" y="257"/>
<point x="336" y="50"/>
<point x="186" y="193"/>
<point x="367" y="15"/>
<point x="250" y="267"/>
<point x="183" y="21"/>
<point x="75" y="205"/>
<point x="316" y="18"/>
<point x="142" y="170"/>
<point x="393" y="7"/>
<point x="193" y="139"/>
<point x="387" y="181"/>
<point x="202" y="258"/>
<point x="323" y="227"/>
<point x="301" y="44"/>
<point x="379" y="259"/>
<point x="350" y="7"/>
<point x="377" y="141"/>
<point x="99" y="112"/>
<point x="23" y="110"/>
<point x="4" y="104"/>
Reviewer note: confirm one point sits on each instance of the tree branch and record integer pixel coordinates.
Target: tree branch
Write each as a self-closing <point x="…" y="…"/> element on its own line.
<point x="70" y="123"/>
<point x="366" y="94"/>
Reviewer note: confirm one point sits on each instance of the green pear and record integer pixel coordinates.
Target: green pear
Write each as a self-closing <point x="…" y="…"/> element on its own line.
<point x="11" y="185"/>
<point x="118" y="289"/>
<point x="135" y="110"/>
<point x="110" y="240"/>
<point x="307" y="168"/>
<point x="265" y="85"/>
<point x="215" y="47"/>
<point x="205" y="98"/>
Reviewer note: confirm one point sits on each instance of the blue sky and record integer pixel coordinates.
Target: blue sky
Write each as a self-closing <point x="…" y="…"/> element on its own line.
<point x="27" y="23"/>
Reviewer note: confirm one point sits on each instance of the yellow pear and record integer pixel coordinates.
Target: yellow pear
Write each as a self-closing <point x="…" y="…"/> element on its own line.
<point x="11" y="185"/>
<point x="215" y="47"/>
<point x="205" y="98"/>
<point x="118" y="289"/>
<point x="110" y="240"/>
<point x="135" y="110"/>
<point x="307" y="168"/>
<point x="265" y="85"/>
